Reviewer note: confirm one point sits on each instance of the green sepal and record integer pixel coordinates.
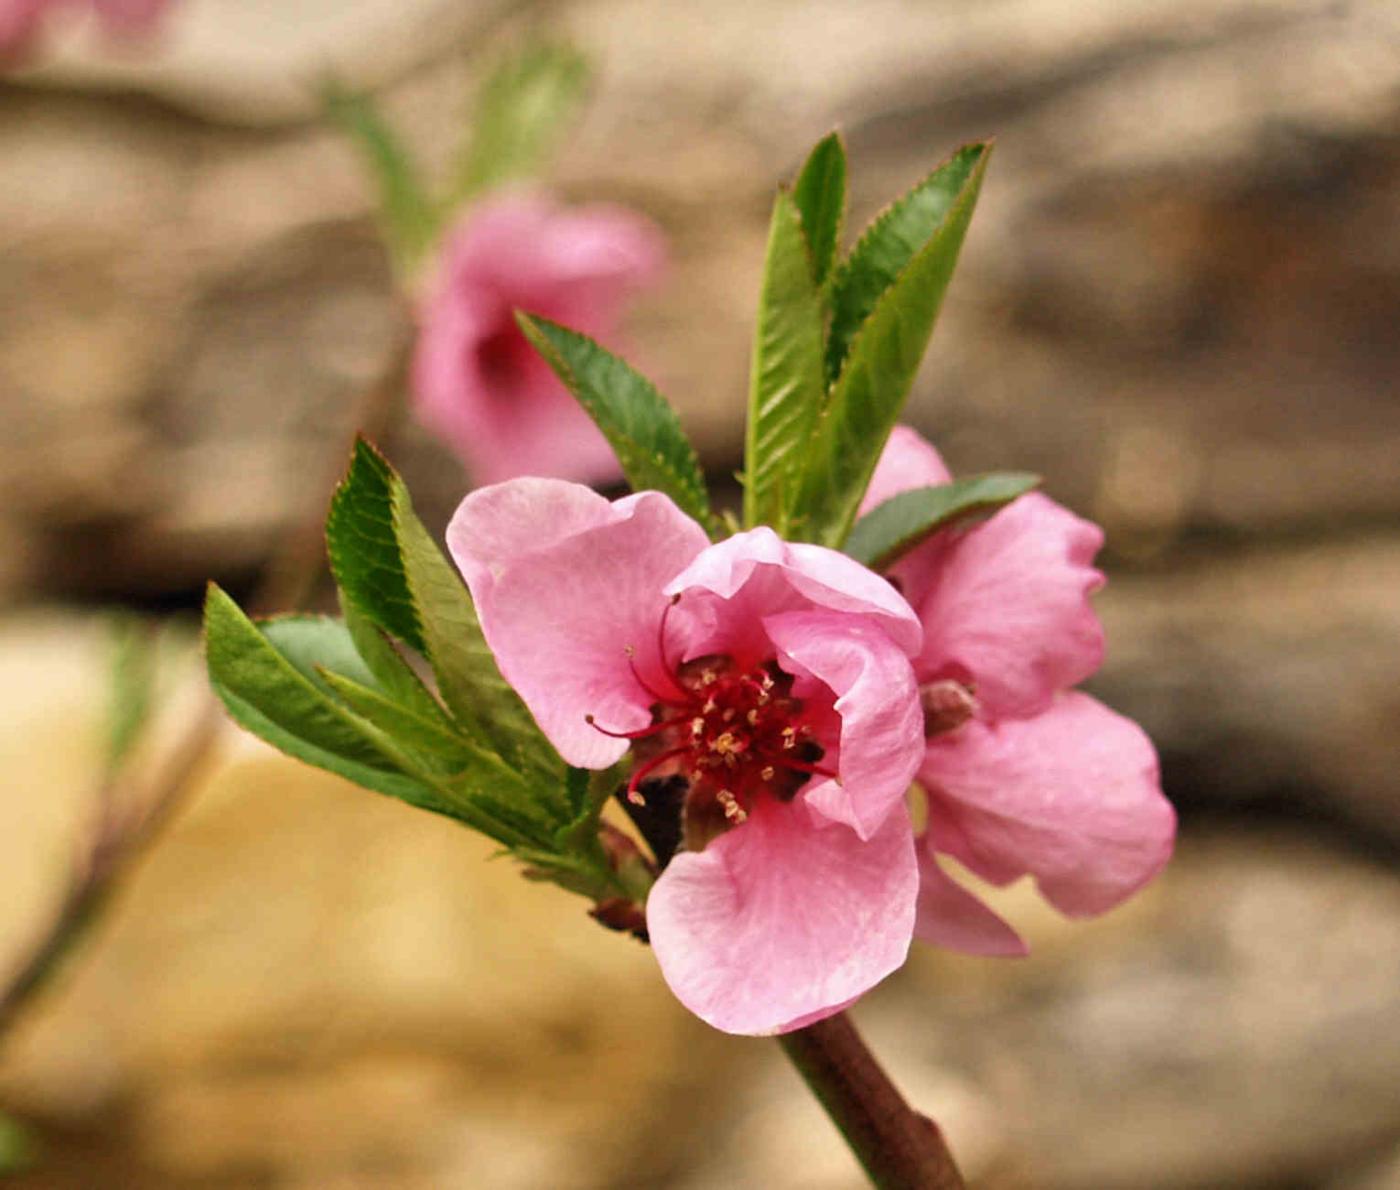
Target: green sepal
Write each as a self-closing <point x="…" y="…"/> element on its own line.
<point x="787" y="381"/>
<point x="893" y="528"/>
<point x="820" y="195"/>
<point x="636" y="419"/>
<point x="878" y="371"/>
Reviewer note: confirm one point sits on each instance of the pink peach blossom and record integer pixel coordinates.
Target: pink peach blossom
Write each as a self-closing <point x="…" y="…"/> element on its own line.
<point x="476" y="380"/>
<point x="770" y="681"/>
<point x="21" y="21"/>
<point x="1023" y="774"/>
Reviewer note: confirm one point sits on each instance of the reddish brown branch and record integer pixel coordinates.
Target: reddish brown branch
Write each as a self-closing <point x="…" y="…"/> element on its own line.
<point x="899" y="1148"/>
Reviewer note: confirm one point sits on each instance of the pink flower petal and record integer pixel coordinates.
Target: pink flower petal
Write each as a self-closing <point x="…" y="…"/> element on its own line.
<point x="1071" y="797"/>
<point x="1008" y="606"/>
<point x="476" y="380"/>
<point x="756" y="574"/>
<point x="951" y="917"/>
<point x="565" y="585"/>
<point x="908" y="461"/>
<point x="881" y="739"/>
<point x="785" y="919"/>
<point x="19" y="25"/>
<point x="130" y="18"/>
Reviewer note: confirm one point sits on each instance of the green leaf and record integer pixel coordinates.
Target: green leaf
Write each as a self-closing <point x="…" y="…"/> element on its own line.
<point x="470" y="683"/>
<point x="875" y="380"/>
<point x="787" y="381"/>
<point x="313" y="644"/>
<point x="820" y="194"/>
<point x="893" y="528"/>
<point x="133" y="684"/>
<point x="636" y="419"/>
<point x="267" y="694"/>
<point x="364" y="550"/>
<point x="424" y="735"/>
<point x="892" y="241"/>
<point x="522" y="111"/>
<point x="408" y="214"/>
<point x="392" y="672"/>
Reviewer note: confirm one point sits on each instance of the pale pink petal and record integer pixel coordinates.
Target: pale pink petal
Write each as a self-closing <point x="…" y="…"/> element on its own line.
<point x="562" y="611"/>
<point x="1009" y="606"/>
<point x="729" y="588"/>
<point x="130" y="18"/>
<point x="785" y="919"/>
<point x="1071" y="796"/>
<point x="476" y="380"/>
<point x="19" y="25"/>
<point x="881" y="736"/>
<point x="951" y="917"/>
<point x="908" y="461"/>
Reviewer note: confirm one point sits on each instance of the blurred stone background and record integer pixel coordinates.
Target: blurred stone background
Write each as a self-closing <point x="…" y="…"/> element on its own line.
<point x="1179" y="302"/>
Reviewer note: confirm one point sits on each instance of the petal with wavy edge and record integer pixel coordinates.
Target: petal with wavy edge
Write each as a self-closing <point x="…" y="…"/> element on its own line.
<point x="881" y="733"/>
<point x="729" y="589"/>
<point x="785" y="919"/>
<point x="1008" y="606"/>
<point x="565" y="584"/>
<point x="1071" y="797"/>
<point x="951" y="917"/>
<point x="908" y="461"/>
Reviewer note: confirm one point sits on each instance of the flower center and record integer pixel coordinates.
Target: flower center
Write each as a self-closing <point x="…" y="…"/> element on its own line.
<point x="734" y="734"/>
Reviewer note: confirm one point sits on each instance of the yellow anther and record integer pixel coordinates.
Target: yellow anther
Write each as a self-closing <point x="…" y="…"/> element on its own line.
<point x="752" y="717"/>
<point x="789" y="737"/>
<point x="732" y="810"/>
<point x="697" y="726"/>
<point x="766" y="772"/>
<point x="725" y="743"/>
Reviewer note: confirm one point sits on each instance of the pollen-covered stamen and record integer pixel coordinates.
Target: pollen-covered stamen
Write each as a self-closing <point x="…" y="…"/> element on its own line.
<point x="735" y="734"/>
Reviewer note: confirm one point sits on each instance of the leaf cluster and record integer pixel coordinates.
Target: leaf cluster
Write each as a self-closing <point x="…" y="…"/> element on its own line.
<point x="401" y="694"/>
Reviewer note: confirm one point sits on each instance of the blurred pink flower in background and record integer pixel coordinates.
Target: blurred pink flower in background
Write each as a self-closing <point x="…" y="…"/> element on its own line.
<point x="21" y="21"/>
<point x="770" y="681"/>
<point x="476" y="380"/>
<point x="1023" y="774"/>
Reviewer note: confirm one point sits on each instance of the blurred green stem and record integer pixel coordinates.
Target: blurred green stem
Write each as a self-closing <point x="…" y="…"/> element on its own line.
<point x="899" y="1148"/>
<point x="127" y="820"/>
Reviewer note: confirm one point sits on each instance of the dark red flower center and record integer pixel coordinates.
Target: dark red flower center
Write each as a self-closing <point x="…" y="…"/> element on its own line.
<point x="734" y="734"/>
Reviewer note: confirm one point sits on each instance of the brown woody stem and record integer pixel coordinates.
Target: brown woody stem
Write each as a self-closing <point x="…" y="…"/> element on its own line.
<point x="899" y="1148"/>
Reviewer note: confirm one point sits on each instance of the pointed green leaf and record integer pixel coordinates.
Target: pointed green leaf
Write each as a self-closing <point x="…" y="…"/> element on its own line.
<point x="407" y="212"/>
<point x="522" y="111"/>
<point x="364" y="551"/>
<point x="267" y="694"/>
<point x="636" y="419"/>
<point x="313" y="644"/>
<point x="470" y="683"/>
<point x="893" y="528"/>
<point x="392" y="672"/>
<point x="875" y="380"/>
<point x="406" y="726"/>
<point x="787" y="381"/>
<point x="892" y="241"/>
<point x="820" y="194"/>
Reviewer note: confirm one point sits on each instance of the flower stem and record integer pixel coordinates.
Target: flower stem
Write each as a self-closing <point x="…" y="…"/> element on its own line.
<point x="899" y="1148"/>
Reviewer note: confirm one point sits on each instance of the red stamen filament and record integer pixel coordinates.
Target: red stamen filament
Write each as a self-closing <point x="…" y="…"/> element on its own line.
<point x="641" y="733"/>
<point x="639" y="774"/>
